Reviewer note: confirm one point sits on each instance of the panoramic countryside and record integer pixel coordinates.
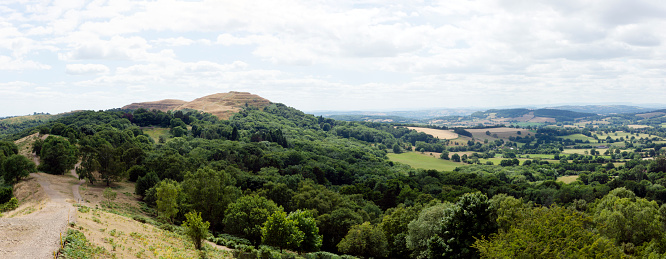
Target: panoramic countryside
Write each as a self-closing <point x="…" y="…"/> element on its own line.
<point x="293" y="129"/>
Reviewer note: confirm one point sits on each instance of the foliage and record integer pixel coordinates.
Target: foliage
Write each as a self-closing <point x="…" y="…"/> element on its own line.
<point x="306" y="223"/>
<point x="9" y="205"/>
<point x="195" y="228"/>
<point x="77" y="246"/>
<point x="281" y="231"/>
<point x="57" y="156"/>
<point x="554" y="232"/>
<point x="210" y="192"/>
<point x="627" y="219"/>
<point x="395" y="226"/>
<point x="146" y="182"/>
<point x="469" y="219"/>
<point x="427" y="225"/>
<point x="365" y="240"/>
<point x="17" y="167"/>
<point x="246" y="216"/>
<point x="109" y="194"/>
<point x="168" y="192"/>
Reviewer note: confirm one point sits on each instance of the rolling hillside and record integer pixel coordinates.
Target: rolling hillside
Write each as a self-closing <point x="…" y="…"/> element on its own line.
<point x="222" y="105"/>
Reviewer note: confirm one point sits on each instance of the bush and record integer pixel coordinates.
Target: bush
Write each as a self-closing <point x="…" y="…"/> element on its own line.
<point x="6" y="193"/>
<point x="10" y="205"/>
<point x="327" y="255"/>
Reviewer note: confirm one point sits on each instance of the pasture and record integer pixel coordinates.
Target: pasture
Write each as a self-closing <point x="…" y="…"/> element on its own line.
<point x="155" y="132"/>
<point x="424" y="161"/>
<point x="567" y="179"/>
<point x="498" y="133"/>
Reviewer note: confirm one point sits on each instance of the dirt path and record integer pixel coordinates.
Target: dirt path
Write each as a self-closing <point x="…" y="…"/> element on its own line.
<point x="37" y="235"/>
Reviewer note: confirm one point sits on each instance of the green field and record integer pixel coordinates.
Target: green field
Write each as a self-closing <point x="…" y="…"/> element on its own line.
<point x="155" y="133"/>
<point x="418" y="160"/>
<point x="579" y="137"/>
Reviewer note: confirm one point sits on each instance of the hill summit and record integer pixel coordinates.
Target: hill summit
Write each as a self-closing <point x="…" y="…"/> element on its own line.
<point x="222" y="105"/>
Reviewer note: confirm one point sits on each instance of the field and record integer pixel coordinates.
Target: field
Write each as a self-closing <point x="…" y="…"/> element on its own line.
<point x="501" y="133"/>
<point x="620" y="134"/>
<point x="155" y="133"/>
<point x="438" y="133"/>
<point x="567" y="179"/>
<point x="424" y="161"/>
<point x="580" y="137"/>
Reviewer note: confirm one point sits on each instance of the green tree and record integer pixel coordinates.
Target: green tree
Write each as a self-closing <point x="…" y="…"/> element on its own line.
<point x="246" y="216"/>
<point x="395" y="226"/>
<point x="101" y="162"/>
<point x="195" y="228"/>
<point x="553" y="232"/>
<point x="364" y="240"/>
<point x="57" y="155"/>
<point x="626" y="218"/>
<point x="146" y="182"/>
<point x="307" y="224"/>
<point x="281" y="231"/>
<point x="470" y="218"/>
<point x="210" y="192"/>
<point x="396" y="149"/>
<point x="167" y="199"/>
<point x="17" y="167"/>
<point x="426" y="226"/>
<point x="455" y="158"/>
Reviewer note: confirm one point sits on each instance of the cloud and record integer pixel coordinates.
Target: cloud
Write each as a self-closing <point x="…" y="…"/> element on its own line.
<point x="86" y="69"/>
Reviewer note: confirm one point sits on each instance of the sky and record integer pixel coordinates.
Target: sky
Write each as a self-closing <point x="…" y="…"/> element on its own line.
<point x="59" y="56"/>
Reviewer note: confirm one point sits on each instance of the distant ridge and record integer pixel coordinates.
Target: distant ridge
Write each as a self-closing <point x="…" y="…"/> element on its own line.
<point x="222" y="105"/>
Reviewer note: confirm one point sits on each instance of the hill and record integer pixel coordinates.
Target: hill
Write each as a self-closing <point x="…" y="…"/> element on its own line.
<point x="222" y="105"/>
<point x="602" y="109"/>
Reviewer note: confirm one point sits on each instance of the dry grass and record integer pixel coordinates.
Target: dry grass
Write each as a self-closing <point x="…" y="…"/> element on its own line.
<point x="31" y="198"/>
<point x="123" y="237"/>
<point x="438" y="133"/>
<point x="568" y="179"/>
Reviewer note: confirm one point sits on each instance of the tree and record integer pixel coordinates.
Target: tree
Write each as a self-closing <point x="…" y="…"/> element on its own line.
<point x="396" y="148"/>
<point x="57" y="155"/>
<point x="280" y="231"/>
<point x="364" y="240"/>
<point x="444" y="155"/>
<point x="195" y="228"/>
<point x="627" y="218"/>
<point x="146" y="182"/>
<point x="17" y="167"/>
<point x="103" y="161"/>
<point x="210" y="192"/>
<point x="307" y="224"/>
<point x="246" y="216"/>
<point x="395" y="226"/>
<point x="470" y="218"/>
<point x="554" y="232"/>
<point x="455" y="158"/>
<point x="427" y="225"/>
<point x="167" y="199"/>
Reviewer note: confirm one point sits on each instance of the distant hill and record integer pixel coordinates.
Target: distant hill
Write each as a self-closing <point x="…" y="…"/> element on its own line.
<point x="222" y="105"/>
<point x="603" y="109"/>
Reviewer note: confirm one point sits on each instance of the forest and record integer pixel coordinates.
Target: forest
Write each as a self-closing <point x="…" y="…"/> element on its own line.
<point x="280" y="179"/>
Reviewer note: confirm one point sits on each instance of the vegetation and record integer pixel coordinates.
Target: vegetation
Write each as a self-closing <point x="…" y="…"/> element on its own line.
<point x="280" y="178"/>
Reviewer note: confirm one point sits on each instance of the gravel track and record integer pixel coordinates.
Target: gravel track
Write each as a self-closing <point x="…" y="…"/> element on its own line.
<point x="37" y="235"/>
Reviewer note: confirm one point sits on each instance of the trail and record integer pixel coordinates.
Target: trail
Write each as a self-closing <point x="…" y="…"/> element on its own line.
<point x="37" y="235"/>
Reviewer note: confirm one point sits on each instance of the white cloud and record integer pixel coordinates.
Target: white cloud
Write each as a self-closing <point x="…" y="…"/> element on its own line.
<point x="316" y="53"/>
<point x="86" y="69"/>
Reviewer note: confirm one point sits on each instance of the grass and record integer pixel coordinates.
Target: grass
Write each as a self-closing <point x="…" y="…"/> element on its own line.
<point x="567" y="179"/>
<point x="424" y="161"/>
<point x="579" y="137"/>
<point x="155" y="133"/>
